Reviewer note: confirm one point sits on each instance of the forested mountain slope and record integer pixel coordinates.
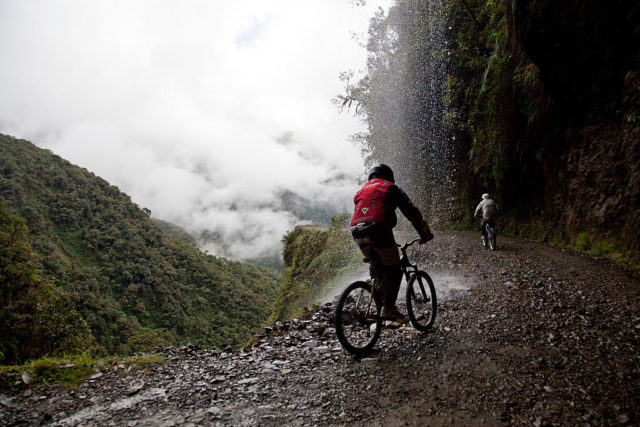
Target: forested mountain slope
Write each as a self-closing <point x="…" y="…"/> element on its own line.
<point x="132" y="284"/>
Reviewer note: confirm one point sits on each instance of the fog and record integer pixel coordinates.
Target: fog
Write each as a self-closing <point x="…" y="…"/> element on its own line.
<point x="204" y="112"/>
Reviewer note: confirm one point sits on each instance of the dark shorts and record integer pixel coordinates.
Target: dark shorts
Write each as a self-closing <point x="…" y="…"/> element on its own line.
<point x="377" y="244"/>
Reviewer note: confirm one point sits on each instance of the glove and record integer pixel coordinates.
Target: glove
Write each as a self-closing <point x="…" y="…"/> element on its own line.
<point x="426" y="234"/>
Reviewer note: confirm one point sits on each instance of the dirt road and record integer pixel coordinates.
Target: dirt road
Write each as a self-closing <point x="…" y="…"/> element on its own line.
<point x="541" y="337"/>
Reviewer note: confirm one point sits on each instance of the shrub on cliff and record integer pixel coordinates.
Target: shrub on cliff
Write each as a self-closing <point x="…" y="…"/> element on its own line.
<point x="313" y="256"/>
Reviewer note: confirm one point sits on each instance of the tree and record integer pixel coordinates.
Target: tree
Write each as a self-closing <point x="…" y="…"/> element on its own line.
<point x="36" y="318"/>
<point x="401" y="96"/>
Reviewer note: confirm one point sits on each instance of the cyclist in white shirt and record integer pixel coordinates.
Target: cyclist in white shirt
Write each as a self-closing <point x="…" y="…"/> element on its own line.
<point x="489" y="210"/>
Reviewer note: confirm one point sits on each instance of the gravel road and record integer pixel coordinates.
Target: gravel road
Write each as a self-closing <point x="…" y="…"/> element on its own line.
<point x="528" y="334"/>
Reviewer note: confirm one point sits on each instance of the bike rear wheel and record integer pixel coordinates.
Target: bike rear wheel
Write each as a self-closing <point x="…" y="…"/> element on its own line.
<point x="421" y="301"/>
<point x="357" y="319"/>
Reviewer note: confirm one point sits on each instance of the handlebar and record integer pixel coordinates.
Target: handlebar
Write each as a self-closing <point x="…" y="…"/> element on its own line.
<point x="406" y="245"/>
<point x="404" y="259"/>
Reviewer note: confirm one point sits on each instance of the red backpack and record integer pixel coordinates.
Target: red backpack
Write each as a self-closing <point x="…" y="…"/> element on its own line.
<point x="370" y="202"/>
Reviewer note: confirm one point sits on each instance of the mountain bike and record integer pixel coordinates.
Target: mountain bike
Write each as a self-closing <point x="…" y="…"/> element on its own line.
<point x="357" y="318"/>
<point x="489" y="237"/>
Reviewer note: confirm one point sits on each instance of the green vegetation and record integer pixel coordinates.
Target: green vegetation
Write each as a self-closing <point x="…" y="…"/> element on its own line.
<point x="70" y="371"/>
<point x="401" y="96"/>
<point x="510" y="130"/>
<point x="539" y="100"/>
<point x="93" y="259"/>
<point x="538" y="132"/>
<point x="175" y="231"/>
<point x="313" y="256"/>
<point x="35" y="316"/>
<point x="498" y="109"/>
<point x="590" y="242"/>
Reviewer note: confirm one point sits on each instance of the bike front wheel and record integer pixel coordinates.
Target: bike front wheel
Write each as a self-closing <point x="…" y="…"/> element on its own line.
<point x="357" y="319"/>
<point x="421" y="301"/>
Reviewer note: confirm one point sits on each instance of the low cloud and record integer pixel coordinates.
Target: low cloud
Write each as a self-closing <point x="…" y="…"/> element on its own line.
<point x="205" y="113"/>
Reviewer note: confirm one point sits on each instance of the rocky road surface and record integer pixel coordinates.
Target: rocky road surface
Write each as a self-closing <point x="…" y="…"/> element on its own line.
<point x="542" y="337"/>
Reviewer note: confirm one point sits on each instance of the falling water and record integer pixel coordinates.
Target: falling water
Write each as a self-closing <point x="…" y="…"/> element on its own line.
<point x="408" y="69"/>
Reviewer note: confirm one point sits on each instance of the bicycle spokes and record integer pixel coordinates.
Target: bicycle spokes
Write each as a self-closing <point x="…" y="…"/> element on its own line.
<point x="358" y="314"/>
<point x="420" y="294"/>
<point x="358" y="322"/>
<point x="357" y="318"/>
<point x="421" y="301"/>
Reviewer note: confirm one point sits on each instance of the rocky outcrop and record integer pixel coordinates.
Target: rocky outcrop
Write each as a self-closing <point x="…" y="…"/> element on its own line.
<point x="600" y="187"/>
<point x="313" y="256"/>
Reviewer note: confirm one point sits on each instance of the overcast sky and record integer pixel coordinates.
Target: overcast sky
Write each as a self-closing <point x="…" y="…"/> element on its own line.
<point x="202" y="111"/>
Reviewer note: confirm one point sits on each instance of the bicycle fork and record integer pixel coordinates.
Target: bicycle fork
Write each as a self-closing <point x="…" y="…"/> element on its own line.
<point x="368" y="309"/>
<point x="420" y="285"/>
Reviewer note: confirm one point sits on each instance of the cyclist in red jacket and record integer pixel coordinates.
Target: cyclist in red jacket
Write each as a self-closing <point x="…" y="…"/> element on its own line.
<point x="371" y="226"/>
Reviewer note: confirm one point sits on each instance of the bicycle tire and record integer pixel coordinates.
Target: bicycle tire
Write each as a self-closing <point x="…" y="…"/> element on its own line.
<point x="357" y="319"/>
<point x="422" y="303"/>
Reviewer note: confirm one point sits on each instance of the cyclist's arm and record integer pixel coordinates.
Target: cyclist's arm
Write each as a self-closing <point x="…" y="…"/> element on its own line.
<point x="411" y="212"/>
<point x="477" y="209"/>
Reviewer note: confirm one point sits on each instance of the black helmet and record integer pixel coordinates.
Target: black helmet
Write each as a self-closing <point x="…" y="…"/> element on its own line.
<point x="380" y="170"/>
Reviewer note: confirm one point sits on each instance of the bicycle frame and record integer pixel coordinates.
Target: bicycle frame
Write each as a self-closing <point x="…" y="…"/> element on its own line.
<point x="358" y="328"/>
<point x="375" y="288"/>
<point x="406" y="266"/>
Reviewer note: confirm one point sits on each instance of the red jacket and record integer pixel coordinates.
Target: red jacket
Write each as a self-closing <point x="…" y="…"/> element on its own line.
<point x="377" y="201"/>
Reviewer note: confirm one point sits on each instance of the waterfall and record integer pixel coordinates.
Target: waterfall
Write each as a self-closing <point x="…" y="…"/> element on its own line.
<point x="407" y="76"/>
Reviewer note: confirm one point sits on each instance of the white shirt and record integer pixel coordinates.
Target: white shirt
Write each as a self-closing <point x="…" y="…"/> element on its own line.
<point x="489" y="209"/>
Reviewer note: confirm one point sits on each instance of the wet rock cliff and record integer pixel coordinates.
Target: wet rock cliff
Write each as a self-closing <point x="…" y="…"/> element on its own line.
<point x="589" y="60"/>
<point x="546" y="97"/>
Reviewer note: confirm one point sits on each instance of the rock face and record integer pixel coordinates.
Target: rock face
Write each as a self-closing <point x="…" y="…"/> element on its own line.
<point x="543" y="337"/>
<point x="588" y="55"/>
<point x="582" y="48"/>
<point x="600" y="187"/>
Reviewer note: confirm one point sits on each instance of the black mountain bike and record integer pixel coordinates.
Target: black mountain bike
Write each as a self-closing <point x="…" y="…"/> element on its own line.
<point x="357" y="318"/>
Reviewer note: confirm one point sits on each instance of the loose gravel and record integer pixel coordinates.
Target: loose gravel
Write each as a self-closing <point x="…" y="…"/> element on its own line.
<point x="542" y="336"/>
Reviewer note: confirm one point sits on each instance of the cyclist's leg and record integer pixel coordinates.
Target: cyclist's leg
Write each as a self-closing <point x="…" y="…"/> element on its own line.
<point x="376" y="268"/>
<point x="384" y="245"/>
<point x="362" y="237"/>
<point x="365" y="243"/>
<point x="390" y="287"/>
<point x="379" y="247"/>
